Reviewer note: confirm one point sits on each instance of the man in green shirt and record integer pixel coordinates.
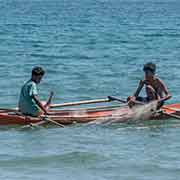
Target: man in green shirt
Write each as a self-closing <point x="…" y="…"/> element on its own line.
<point x="29" y="103"/>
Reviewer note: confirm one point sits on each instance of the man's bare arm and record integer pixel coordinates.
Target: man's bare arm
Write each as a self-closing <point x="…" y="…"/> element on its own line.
<point x="38" y="102"/>
<point x="140" y="86"/>
<point x="165" y="90"/>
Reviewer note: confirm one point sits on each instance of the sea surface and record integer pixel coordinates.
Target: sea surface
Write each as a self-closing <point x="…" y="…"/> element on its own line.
<point x="90" y="49"/>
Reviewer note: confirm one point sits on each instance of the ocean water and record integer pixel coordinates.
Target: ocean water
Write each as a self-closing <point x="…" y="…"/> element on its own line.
<point x="90" y="49"/>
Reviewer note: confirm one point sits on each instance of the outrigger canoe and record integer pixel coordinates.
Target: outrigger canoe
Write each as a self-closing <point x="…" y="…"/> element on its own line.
<point x="110" y="114"/>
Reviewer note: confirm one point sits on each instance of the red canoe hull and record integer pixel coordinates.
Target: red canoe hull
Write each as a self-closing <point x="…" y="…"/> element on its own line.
<point x="82" y="116"/>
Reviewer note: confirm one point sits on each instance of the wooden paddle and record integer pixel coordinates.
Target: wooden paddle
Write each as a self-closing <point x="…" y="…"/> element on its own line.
<point x="108" y="99"/>
<point x="112" y="98"/>
<point x="123" y="101"/>
<point x="48" y="118"/>
<point x="80" y="103"/>
<point x="62" y="105"/>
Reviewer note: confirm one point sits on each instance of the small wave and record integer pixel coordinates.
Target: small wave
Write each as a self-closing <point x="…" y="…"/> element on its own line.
<point x="49" y="56"/>
<point x="161" y="35"/>
<point x="31" y="41"/>
<point x="73" y="158"/>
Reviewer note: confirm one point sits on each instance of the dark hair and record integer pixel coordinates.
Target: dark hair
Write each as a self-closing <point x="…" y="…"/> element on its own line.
<point x="38" y="71"/>
<point x="150" y="67"/>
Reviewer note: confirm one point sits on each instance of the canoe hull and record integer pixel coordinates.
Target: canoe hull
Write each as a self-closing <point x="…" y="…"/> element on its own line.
<point x="108" y="115"/>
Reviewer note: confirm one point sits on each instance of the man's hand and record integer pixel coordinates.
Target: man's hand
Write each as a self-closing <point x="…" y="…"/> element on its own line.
<point x="131" y="101"/>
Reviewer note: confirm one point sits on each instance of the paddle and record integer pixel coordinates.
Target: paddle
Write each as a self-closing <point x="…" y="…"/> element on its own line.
<point x="123" y="101"/>
<point x="64" y="104"/>
<point x="48" y="118"/>
<point x="80" y="103"/>
<point x="108" y="99"/>
<point x="112" y="98"/>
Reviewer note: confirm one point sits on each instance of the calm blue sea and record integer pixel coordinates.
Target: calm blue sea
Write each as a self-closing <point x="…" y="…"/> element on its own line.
<point x="90" y="49"/>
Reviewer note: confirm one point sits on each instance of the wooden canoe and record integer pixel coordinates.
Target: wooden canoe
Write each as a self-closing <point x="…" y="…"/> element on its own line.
<point x="109" y="114"/>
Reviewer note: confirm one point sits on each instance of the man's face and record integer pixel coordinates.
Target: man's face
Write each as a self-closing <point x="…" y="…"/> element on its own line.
<point x="149" y="75"/>
<point x="38" y="78"/>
